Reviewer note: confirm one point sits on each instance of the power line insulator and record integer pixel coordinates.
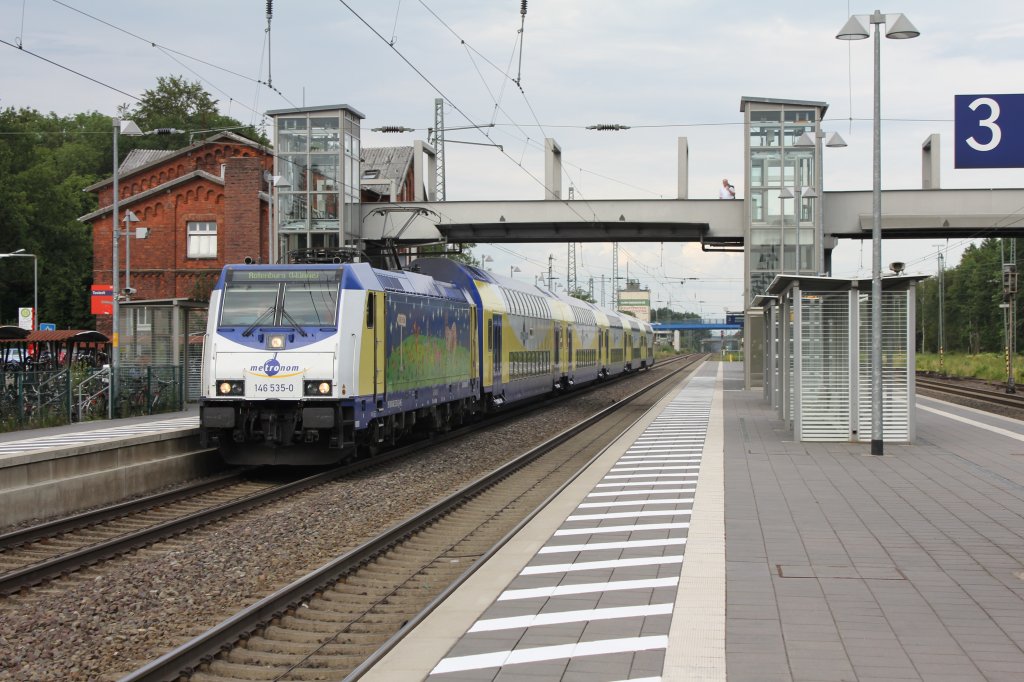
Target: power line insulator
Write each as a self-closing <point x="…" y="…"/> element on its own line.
<point x="522" y="9"/>
<point x="393" y="129"/>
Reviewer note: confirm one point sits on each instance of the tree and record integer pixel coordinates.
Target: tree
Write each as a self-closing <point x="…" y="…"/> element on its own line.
<point x="45" y="161"/>
<point x="177" y="103"/>
<point x="582" y="294"/>
<point x="462" y="254"/>
<point x="972" y="293"/>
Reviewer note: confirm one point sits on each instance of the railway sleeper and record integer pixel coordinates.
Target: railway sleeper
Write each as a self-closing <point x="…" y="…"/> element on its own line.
<point x="293" y="648"/>
<point x="299" y="622"/>
<point x="276" y="632"/>
<point x="273" y="658"/>
<point x="250" y="672"/>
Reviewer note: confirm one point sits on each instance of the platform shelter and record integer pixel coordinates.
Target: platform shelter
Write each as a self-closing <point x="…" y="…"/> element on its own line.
<point x="817" y="356"/>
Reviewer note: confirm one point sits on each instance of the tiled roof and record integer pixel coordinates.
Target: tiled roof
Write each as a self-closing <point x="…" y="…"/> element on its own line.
<point x="140" y="157"/>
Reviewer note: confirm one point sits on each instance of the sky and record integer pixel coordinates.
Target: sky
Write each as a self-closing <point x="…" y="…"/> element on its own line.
<point x="665" y="68"/>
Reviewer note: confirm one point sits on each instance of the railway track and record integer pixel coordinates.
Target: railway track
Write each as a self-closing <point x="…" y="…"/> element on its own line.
<point x="33" y="555"/>
<point x="985" y="396"/>
<point x="340" y="618"/>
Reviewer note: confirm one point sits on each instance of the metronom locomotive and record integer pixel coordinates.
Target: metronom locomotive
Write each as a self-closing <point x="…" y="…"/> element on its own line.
<point x="308" y="364"/>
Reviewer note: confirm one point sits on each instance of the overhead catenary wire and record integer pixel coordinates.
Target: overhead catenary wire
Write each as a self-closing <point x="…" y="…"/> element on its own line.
<point x="173" y="54"/>
<point x="440" y="92"/>
<point x="69" y="69"/>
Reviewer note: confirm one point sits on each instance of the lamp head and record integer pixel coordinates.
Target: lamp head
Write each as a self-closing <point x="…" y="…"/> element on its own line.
<point x="804" y="140"/>
<point x="835" y="141"/>
<point x="856" y="28"/>
<point x="900" y="27"/>
<point x="130" y="128"/>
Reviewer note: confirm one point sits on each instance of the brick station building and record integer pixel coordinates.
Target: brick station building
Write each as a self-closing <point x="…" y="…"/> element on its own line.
<point x="205" y="205"/>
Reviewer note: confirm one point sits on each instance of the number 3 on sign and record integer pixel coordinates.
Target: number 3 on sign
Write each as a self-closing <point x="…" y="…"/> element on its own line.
<point x="990" y="123"/>
<point x="989" y="130"/>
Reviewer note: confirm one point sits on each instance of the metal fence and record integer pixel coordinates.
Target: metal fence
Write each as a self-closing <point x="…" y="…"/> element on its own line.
<point x="53" y="398"/>
<point x="150" y="390"/>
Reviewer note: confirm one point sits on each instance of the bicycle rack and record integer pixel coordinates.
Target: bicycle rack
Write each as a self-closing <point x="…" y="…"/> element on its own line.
<point x="92" y="388"/>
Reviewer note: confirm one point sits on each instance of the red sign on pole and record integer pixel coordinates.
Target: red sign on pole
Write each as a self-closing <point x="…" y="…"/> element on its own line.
<point x="102" y="299"/>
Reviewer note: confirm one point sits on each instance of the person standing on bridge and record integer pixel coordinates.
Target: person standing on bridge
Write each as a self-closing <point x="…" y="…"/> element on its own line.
<point x="727" y="191"/>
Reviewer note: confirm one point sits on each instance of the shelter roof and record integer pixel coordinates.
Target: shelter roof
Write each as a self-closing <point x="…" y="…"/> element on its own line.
<point x="166" y="302"/>
<point x="820" y="284"/>
<point x="76" y="335"/>
<point x="9" y="333"/>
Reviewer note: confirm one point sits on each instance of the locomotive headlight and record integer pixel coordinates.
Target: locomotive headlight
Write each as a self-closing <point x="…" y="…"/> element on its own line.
<point x="230" y="388"/>
<point x="275" y="341"/>
<point x="316" y="387"/>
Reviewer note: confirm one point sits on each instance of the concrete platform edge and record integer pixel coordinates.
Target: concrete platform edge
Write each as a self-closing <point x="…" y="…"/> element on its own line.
<point x="696" y="649"/>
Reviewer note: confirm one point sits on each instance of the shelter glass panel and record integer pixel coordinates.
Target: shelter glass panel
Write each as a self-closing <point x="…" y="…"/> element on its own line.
<point x="325" y="172"/>
<point x="765" y="168"/>
<point x="294" y="171"/>
<point x="324" y="134"/>
<point x="792" y="132"/>
<point x="292" y="211"/>
<point x="765" y="249"/>
<point x="292" y="134"/>
<point x="765" y="134"/>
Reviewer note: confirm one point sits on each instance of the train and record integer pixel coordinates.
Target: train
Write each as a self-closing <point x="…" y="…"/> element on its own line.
<point x="313" y="364"/>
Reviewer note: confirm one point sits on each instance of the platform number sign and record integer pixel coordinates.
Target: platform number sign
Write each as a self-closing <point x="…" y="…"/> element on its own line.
<point x="989" y="131"/>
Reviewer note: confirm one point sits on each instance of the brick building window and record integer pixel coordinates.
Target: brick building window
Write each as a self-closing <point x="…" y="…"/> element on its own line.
<point x="202" y="240"/>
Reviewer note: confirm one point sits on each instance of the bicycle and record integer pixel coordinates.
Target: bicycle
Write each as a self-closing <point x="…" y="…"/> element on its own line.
<point x="142" y="400"/>
<point x="161" y="401"/>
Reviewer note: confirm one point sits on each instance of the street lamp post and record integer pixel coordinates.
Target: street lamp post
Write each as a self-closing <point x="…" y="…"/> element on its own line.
<point x="857" y="28"/>
<point x="128" y="128"/>
<point x="120" y="128"/>
<point x="20" y="253"/>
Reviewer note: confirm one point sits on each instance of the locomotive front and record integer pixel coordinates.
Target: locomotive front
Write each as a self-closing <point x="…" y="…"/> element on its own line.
<point x="270" y="365"/>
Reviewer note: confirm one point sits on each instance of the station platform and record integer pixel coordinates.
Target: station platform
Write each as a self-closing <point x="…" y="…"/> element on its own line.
<point x="64" y="469"/>
<point x="706" y="544"/>
<point x="52" y="437"/>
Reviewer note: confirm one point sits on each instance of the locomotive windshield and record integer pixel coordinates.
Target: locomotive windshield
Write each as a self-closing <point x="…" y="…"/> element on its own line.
<point x="280" y="298"/>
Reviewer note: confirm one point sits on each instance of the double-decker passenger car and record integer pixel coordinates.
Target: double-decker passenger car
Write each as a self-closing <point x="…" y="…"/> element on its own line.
<point x="304" y="364"/>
